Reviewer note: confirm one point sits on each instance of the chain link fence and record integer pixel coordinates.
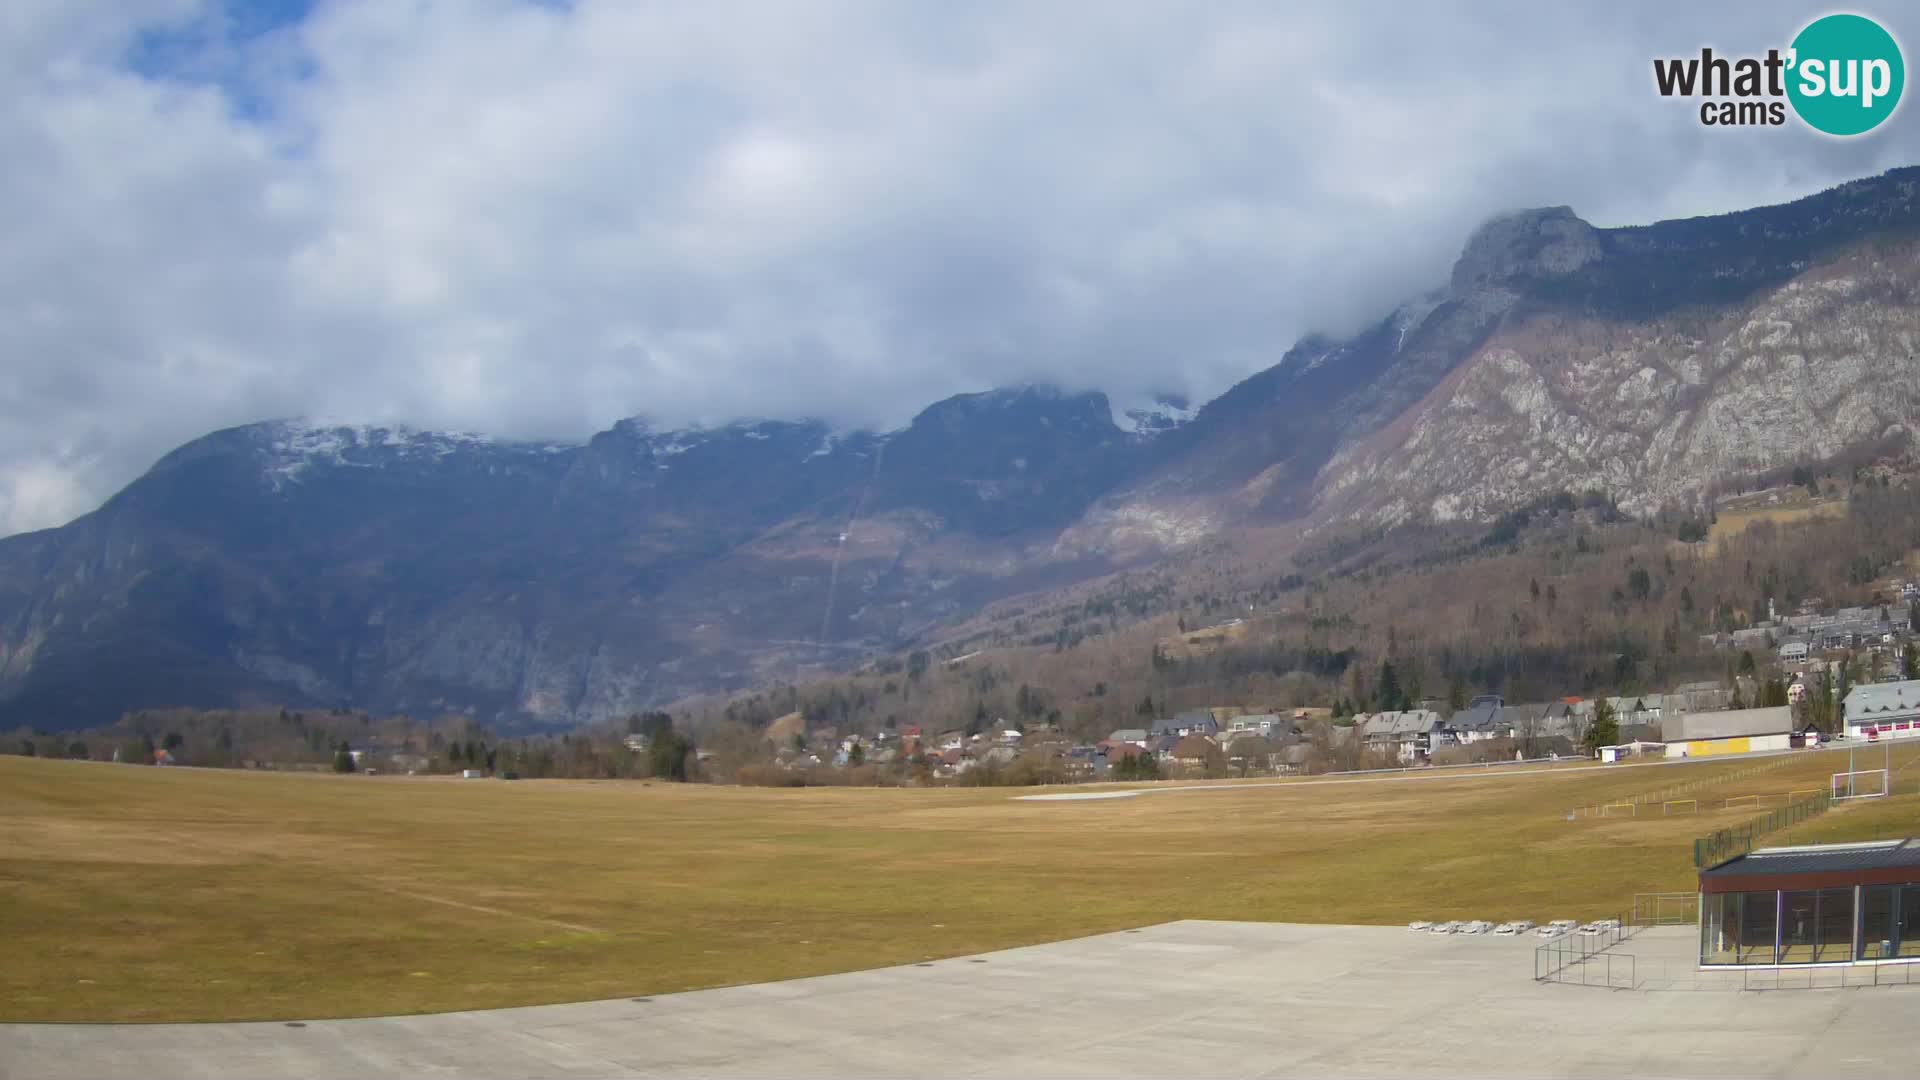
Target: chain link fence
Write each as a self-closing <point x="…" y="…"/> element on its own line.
<point x="1737" y="840"/>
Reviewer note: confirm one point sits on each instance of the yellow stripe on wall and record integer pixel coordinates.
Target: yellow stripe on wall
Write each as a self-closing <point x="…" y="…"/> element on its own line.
<point x="1711" y="747"/>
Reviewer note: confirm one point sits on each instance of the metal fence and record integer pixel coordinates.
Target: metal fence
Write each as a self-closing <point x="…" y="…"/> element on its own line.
<point x="1736" y="840"/>
<point x="1670" y="974"/>
<point x="1609" y="969"/>
<point x="1666" y="909"/>
<point x="1590" y="960"/>
<point x="1828" y="978"/>
<point x="1661" y="795"/>
<point x="1575" y="957"/>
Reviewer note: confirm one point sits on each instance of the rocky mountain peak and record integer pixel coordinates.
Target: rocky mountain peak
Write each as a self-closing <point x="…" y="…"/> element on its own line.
<point x="1526" y="245"/>
<point x="1023" y="407"/>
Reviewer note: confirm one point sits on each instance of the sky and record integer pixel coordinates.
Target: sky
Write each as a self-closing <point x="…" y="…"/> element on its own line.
<point x="532" y="219"/>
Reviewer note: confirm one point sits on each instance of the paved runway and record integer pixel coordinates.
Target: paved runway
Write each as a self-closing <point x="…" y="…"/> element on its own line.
<point x="1182" y="999"/>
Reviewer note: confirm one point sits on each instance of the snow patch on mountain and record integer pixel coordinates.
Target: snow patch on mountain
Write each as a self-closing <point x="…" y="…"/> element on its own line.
<point x="1164" y="413"/>
<point x="291" y="448"/>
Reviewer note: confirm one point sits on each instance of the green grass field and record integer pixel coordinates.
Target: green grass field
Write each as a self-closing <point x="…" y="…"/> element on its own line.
<point x="173" y="894"/>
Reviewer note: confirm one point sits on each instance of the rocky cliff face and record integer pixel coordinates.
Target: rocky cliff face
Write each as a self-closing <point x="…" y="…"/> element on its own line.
<point x="1651" y="362"/>
<point x="1526" y="246"/>
<point x="549" y="584"/>
<point x="1262" y="448"/>
<point x="1655" y="411"/>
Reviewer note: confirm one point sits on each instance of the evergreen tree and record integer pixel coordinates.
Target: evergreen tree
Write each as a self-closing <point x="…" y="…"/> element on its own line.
<point x="668" y="754"/>
<point x="1389" y="697"/>
<point x="1605" y="729"/>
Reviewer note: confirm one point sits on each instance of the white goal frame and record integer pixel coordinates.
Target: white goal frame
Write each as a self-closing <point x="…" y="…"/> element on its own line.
<point x="1632" y="810"/>
<point x="1692" y="806"/>
<point x="1853" y="788"/>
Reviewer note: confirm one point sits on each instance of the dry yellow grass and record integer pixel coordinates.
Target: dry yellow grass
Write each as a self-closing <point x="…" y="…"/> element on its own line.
<point x="151" y="894"/>
<point x="1730" y="523"/>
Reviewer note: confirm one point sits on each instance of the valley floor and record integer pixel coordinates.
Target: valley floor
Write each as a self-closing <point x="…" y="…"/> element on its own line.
<point x="153" y="894"/>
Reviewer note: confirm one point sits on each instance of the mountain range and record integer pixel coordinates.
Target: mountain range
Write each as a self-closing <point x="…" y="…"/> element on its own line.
<point x="547" y="584"/>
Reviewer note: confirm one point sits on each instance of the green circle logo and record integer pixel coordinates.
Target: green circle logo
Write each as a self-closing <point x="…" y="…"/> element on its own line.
<point x="1846" y="74"/>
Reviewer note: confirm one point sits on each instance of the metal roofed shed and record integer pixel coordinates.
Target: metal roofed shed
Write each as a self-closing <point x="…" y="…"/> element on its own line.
<point x="1824" y="904"/>
<point x="1728" y="731"/>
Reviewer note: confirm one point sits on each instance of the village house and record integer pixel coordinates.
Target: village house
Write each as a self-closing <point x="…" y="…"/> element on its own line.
<point x="1162" y="746"/>
<point x="1410" y="732"/>
<point x="1195" y="751"/>
<point x="1476" y="723"/>
<point x="1191" y="722"/>
<point x="1258" y="724"/>
<point x="1885" y="710"/>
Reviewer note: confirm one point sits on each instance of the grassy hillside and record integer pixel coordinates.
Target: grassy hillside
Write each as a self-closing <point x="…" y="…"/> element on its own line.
<point x="175" y="894"/>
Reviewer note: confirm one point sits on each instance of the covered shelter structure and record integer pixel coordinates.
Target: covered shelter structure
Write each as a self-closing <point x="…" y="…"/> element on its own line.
<point x="1823" y="904"/>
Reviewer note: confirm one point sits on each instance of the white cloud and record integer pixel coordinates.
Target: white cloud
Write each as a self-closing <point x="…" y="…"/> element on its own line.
<point x="536" y="218"/>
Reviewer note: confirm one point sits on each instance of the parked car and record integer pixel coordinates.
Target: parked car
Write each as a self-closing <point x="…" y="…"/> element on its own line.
<point x="1476" y="926"/>
<point x="1557" y="927"/>
<point x="1521" y="926"/>
<point x="1419" y="925"/>
<point x="1592" y="929"/>
<point x="1446" y="927"/>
